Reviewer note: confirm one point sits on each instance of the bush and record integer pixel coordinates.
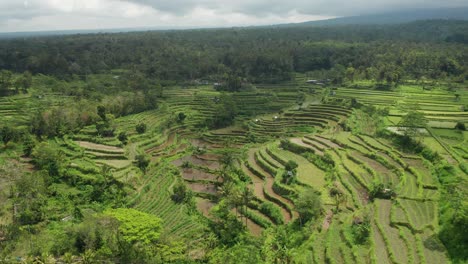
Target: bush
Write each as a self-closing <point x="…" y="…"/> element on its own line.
<point x="181" y="117"/>
<point x="460" y="126"/>
<point x="430" y="155"/>
<point x="308" y="205"/>
<point x="287" y="145"/>
<point x="140" y="128"/>
<point x="272" y="211"/>
<point x="290" y="165"/>
<point x="142" y="162"/>
<point x="123" y="137"/>
<point x="361" y="230"/>
<point x="379" y="190"/>
<point x="181" y="193"/>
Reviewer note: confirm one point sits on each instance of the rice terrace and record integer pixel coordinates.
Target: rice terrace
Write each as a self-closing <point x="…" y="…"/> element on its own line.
<point x="288" y="144"/>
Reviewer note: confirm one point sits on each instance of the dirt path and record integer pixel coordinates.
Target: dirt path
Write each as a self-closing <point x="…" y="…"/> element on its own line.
<point x="327" y="221"/>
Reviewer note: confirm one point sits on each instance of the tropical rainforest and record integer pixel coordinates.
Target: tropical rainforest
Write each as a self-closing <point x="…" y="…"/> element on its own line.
<point x="278" y="144"/>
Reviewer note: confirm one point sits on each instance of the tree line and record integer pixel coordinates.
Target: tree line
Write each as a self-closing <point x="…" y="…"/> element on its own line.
<point x="268" y="54"/>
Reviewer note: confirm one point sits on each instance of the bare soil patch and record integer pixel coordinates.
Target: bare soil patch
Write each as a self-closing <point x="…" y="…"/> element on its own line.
<point x="212" y="165"/>
<point x="202" y="188"/>
<point x="204" y="206"/>
<point x="191" y="174"/>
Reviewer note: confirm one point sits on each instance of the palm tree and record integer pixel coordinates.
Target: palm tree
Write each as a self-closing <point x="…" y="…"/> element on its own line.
<point x="234" y="198"/>
<point x="106" y="172"/>
<point x="245" y="196"/>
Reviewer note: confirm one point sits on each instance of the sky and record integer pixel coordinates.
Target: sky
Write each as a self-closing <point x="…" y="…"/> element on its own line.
<point x="45" y="15"/>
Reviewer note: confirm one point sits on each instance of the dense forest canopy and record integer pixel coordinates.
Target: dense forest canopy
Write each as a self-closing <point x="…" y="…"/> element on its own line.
<point x="432" y="49"/>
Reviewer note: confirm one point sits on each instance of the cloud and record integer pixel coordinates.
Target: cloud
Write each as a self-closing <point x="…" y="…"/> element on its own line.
<point x="29" y="15"/>
<point x="309" y="7"/>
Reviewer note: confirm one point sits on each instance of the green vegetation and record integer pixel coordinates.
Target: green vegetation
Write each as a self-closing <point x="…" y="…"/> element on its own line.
<point x="277" y="145"/>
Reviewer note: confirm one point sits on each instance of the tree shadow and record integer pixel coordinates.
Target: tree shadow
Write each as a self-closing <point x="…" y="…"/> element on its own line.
<point x="433" y="243"/>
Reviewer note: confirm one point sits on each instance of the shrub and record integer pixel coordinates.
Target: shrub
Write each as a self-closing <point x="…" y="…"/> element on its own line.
<point x="7" y="134"/>
<point x="28" y="145"/>
<point x="460" y="126"/>
<point x="308" y="205"/>
<point x="287" y="145"/>
<point x="140" y="128"/>
<point x="430" y="155"/>
<point x="186" y="164"/>
<point x="361" y="229"/>
<point x="181" y="193"/>
<point x="181" y="117"/>
<point x="123" y="137"/>
<point x="272" y="211"/>
<point x="142" y="161"/>
<point x="379" y="190"/>
<point x="290" y="165"/>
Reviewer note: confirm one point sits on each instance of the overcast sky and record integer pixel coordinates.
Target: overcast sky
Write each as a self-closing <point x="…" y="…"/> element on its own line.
<point x="34" y="15"/>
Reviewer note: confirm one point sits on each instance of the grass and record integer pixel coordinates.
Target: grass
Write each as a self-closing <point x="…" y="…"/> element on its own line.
<point x="307" y="172"/>
<point x="395" y="245"/>
<point x="421" y="214"/>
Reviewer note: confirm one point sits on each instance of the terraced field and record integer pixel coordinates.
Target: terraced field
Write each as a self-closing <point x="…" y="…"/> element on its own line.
<point x="442" y="110"/>
<point x="18" y="109"/>
<point x="399" y="227"/>
<point x="327" y="157"/>
<point x="398" y="224"/>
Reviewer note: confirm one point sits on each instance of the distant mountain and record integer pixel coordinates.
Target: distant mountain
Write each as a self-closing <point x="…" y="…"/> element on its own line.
<point x="389" y="18"/>
<point x="396" y="17"/>
<point x="26" y="34"/>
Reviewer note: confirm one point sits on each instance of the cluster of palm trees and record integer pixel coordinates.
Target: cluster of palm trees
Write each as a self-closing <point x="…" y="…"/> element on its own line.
<point x="237" y="193"/>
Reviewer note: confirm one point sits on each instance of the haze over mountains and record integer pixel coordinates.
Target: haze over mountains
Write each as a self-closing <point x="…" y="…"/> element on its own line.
<point x="399" y="17"/>
<point x="394" y="17"/>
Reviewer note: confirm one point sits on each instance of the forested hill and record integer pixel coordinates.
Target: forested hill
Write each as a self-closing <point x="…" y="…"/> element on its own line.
<point x="417" y="49"/>
<point x="395" y="17"/>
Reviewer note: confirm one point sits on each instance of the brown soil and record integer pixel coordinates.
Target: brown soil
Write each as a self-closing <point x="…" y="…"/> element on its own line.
<point x="26" y="163"/>
<point x="202" y="188"/>
<point x="212" y="165"/>
<point x="201" y="143"/>
<point x="204" y="206"/>
<point x="197" y="175"/>
<point x="210" y="157"/>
